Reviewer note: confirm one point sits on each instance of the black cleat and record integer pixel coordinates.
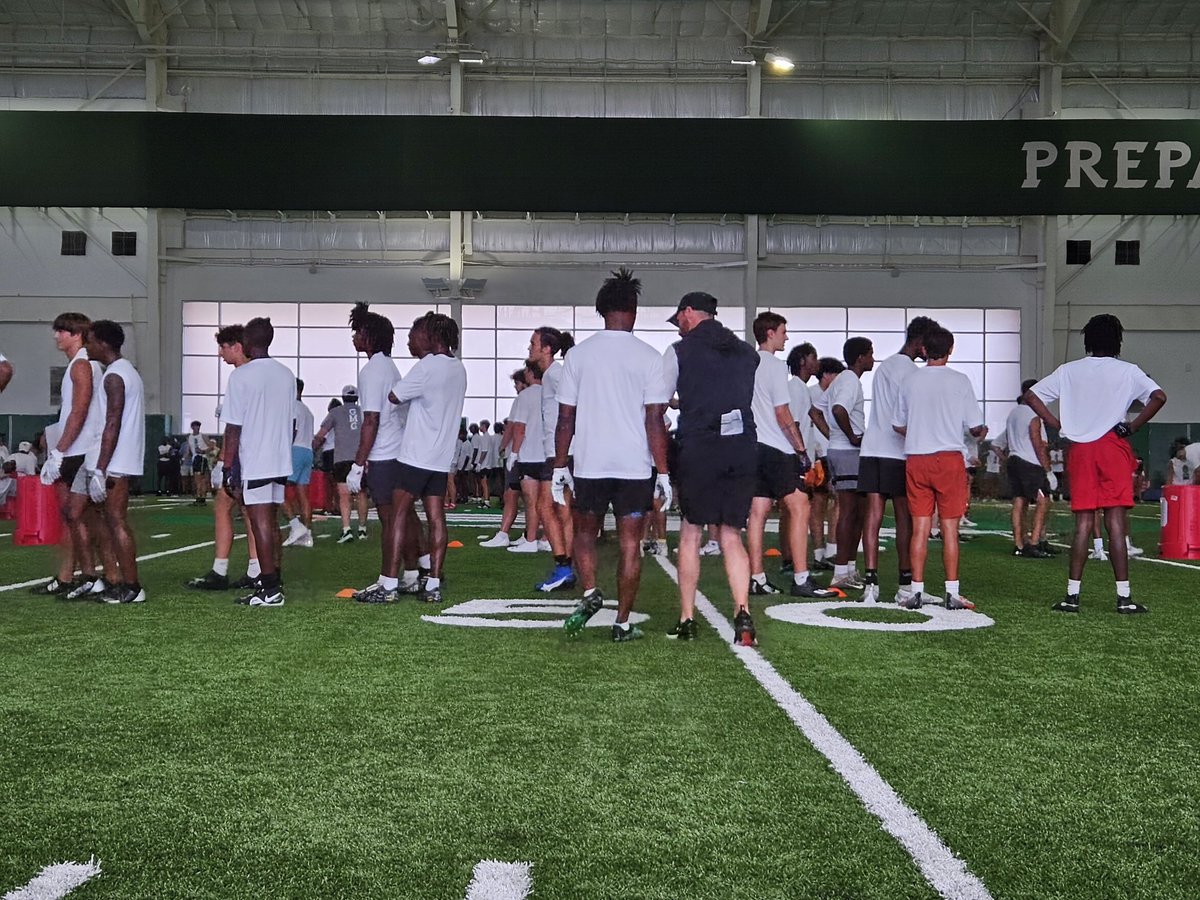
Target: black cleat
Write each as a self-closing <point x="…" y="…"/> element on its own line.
<point x="1126" y="607"/>
<point x="744" y="634"/>
<point x="210" y="581"/>
<point x="1070" y="604"/>
<point x="684" y="630"/>
<point x="245" y="583"/>
<point x="52" y="588"/>
<point x="763" y="588"/>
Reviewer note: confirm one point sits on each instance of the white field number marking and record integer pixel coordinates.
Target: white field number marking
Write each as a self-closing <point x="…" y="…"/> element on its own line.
<point x="495" y="880"/>
<point x="56" y="881"/>
<point x="482" y="614"/>
<point x="937" y="618"/>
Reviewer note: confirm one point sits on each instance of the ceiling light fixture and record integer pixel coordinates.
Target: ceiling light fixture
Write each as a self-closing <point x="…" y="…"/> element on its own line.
<point x="429" y="59"/>
<point x="743" y="62"/>
<point x="778" y="63"/>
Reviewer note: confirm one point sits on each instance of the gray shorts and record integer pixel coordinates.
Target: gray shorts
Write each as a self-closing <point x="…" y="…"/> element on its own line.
<point x="843" y="465"/>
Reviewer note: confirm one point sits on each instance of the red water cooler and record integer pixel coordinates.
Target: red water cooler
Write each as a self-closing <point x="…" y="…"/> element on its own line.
<point x="1180" y="522"/>
<point x="318" y="489"/>
<point x="38" y="519"/>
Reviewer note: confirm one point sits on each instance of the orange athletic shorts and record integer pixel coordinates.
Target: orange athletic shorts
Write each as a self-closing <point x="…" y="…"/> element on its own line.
<point x="937" y="479"/>
<point x="1101" y="473"/>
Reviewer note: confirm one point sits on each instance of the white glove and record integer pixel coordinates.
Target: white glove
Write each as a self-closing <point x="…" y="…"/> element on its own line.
<point x="98" y="486"/>
<point x="559" y="483"/>
<point x="511" y="461"/>
<point x="51" y="469"/>
<point x="1052" y="480"/>
<point x="217" y="476"/>
<point x="354" y="478"/>
<point x="662" y="488"/>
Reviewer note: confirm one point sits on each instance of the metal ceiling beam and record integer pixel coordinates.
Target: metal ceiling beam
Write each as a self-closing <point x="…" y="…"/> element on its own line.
<point x="1065" y="18"/>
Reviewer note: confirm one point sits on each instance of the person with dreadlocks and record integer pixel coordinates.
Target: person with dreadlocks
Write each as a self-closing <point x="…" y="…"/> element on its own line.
<point x="544" y="344"/>
<point x="1094" y="395"/>
<point x="611" y="401"/>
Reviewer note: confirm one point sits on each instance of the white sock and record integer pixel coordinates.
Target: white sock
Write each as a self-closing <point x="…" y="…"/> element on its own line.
<point x="918" y="587"/>
<point x="221" y="566"/>
<point x="431" y="582"/>
<point x="761" y="577"/>
<point x="425" y="562"/>
<point x="1074" y="586"/>
<point x="841" y="571"/>
<point x="1123" y="590"/>
<point x="253" y="569"/>
<point x="819" y="554"/>
<point x="411" y="576"/>
<point x="389" y="584"/>
<point x="1098" y="543"/>
<point x="800" y="577"/>
<point x="830" y="551"/>
<point x="952" y="588"/>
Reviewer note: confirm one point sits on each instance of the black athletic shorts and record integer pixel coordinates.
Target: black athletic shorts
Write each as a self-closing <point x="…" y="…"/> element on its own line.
<point x="882" y="475"/>
<point x="512" y="479"/>
<point x="421" y="482"/>
<point x="381" y="478"/>
<point x="1026" y="479"/>
<point x="627" y="496"/>
<point x="69" y="468"/>
<point x="537" y="471"/>
<point x="716" y="484"/>
<point x="778" y="475"/>
<point x="327" y="462"/>
<point x="341" y="470"/>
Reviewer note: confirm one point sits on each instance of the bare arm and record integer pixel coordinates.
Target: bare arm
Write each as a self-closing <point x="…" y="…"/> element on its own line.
<point x="656" y="435"/>
<point x="1157" y="399"/>
<point x="1035" y="403"/>
<point x="518" y="436"/>
<point x="818" y="419"/>
<point x="366" y="437"/>
<point x="783" y="415"/>
<point x="319" y="438"/>
<point x="6" y="374"/>
<point x="1039" y="443"/>
<point x="843" y="422"/>
<point x="563" y="433"/>
<point x="114" y="393"/>
<point x="979" y="432"/>
<point x="81" y="390"/>
<point x="233" y="437"/>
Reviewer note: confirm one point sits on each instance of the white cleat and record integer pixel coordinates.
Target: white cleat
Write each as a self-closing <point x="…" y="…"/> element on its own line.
<point x="305" y="540"/>
<point x="544" y="546"/>
<point x="1134" y="551"/>
<point x="1098" y="554"/>
<point x="871" y="593"/>
<point x="523" y="546"/>
<point x="712" y="548"/>
<point x="500" y="539"/>
<point x="293" y="538"/>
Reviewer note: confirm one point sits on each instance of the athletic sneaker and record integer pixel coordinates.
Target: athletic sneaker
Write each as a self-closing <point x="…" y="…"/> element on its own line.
<point x="411" y="587"/>
<point x="523" y="546"/>
<point x="871" y="593"/>
<point x="1045" y="547"/>
<point x="787" y="568"/>
<point x="911" y="601"/>
<point x="684" y="630"/>
<point x="584" y="610"/>
<point x="901" y="596"/>
<point x="811" y="589"/>
<point x="744" y="634"/>
<point x="544" y="546"/>
<point x="362" y="591"/>
<point x="821" y="565"/>
<point x="1100" y="554"/>
<point x="851" y="582"/>
<point x="711" y="548"/>
<point x="763" y="588"/>
<point x="958" y="601"/>
<point x="499" y="540"/>
<point x="377" y="593"/>
<point x="1030" y="551"/>
<point x="561" y="578"/>
<point x="1126" y="606"/>
<point x="1069" y="603"/>
<point x="52" y="588"/>
<point x="210" y="581"/>
<point x="1134" y="551"/>
<point x="362" y="534"/>
<point x="245" y="583"/>
<point x="347" y="536"/>
<point x="628" y="633"/>
<point x="265" y="599"/>
<point x="294" y="537"/>
<point x="125" y="594"/>
<point x="305" y="540"/>
<point x="85" y="587"/>
<point x="966" y="523"/>
<point x="430" y="595"/>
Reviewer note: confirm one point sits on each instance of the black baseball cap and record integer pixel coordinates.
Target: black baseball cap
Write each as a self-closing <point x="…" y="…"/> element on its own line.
<point x="696" y="300"/>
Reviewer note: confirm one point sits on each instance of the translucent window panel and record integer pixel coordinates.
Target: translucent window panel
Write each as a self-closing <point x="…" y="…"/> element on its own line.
<point x="402" y="315"/>
<point x="659" y="340"/>
<point x="511" y="344"/>
<point x="326" y="315"/>
<point x="581" y="336"/>
<point x="974" y="371"/>
<point x="504" y="384"/>
<point x="327" y="342"/>
<point x="1003" y="381"/>
<point x="865" y="319"/>
<point x="815" y="318"/>
<point x="201" y="408"/>
<point x="478" y="316"/>
<point x="326" y="376"/>
<point x="732" y="318"/>
<point x="481" y="377"/>
<point x="654" y="318"/>
<point x="318" y="406"/>
<point x="286" y="343"/>
<point x="404" y="364"/>
<point x="996" y="414"/>
<point x="955" y="319"/>
<point x="223" y="373"/>
<point x="201" y="313"/>
<point x="477" y="344"/>
<point x="1002" y="319"/>
<point x="968" y="347"/>
<point x="531" y="317"/>
<point x="476" y="409"/>
<point x="200" y="374"/>
<point x="886" y="344"/>
<point x="1002" y="347"/>
<point x="198" y="340"/>
<point x="828" y="343"/>
<point x="587" y="317"/>
<point x="280" y="314"/>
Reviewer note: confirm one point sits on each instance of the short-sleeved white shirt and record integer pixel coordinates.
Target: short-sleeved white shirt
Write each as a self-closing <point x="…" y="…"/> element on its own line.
<point x="938" y="406"/>
<point x="1191" y="455"/>
<point x="1094" y="394"/>
<point x="305" y="429"/>
<point x="129" y="455"/>
<point x="820" y="398"/>
<point x="610" y="378"/>
<point x="551" y="379"/>
<point x="528" y="412"/>
<point x="770" y="391"/>
<point x="846" y="392"/>
<point x="375" y="381"/>
<point x="1016" y="434"/>
<point x="881" y="439"/>
<point x="435" y="388"/>
<point x="260" y="398"/>
<point x="800" y="402"/>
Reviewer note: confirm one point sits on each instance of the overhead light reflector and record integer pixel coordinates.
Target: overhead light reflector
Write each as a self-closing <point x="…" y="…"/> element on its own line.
<point x="778" y="63"/>
<point x="429" y="59"/>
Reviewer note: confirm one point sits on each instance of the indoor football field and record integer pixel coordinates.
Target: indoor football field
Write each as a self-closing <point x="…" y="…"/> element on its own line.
<point x="196" y="748"/>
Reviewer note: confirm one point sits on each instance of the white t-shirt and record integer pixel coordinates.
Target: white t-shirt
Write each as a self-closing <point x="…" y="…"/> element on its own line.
<point x="1191" y="454"/>
<point x="1094" y="394"/>
<point x="1016" y="434"/>
<point x="260" y="398"/>
<point x="130" y="453"/>
<point x="820" y="398"/>
<point x="494" y="442"/>
<point x="1056" y="461"/>
<point x="846" y="392"/>
<point x="304" y="426"/>
<point x="87" y="444"/>
<point x="770" y="391"/>
<point x="26" y="463"/>
<point x="937" y="405"/>
<point x="375" y="381"/>
<point x="881" y="439"/>
<point x="436" y="386"/>
<point x="610" y="378"/>
<point x="551" y="379"/>
<point x="1181" y="472"/>
<point x="800" y="402"/>
<point x="993" y="462"/>
<point x="528" y="411"/>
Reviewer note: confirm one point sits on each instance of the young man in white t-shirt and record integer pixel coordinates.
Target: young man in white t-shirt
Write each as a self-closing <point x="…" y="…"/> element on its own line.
<point x="611" y="401"/>
<point x="544" y="345"/>
<point x="1095" y="394"/>
<point x="122" y="451"/>
<point x="802" y="364"/>
<point x="823" y="518"/>
<point x="847" y="411"/>
<point x="782" y="463"/>
<point x="935" y="407"/>
<point x="529" y="446"/>
<point x="1030" y="478"/>
<point x="259" y="421"/>
<point x="296" y="504"/>
<point x="881" y="467"/>
<point x="197" y="463"/>
<point x="434" y="390"/>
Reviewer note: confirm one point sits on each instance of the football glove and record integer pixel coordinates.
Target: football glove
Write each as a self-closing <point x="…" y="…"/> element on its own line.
<point x="98" y="486"/>
<point x="662" y="490"/>
<point x="52" y="467"/>
<point x="803" y="463"/>
<point x="1052" y="480"/>
<point x="562" y="481"/>
<point x="354" y="478"/>
<point x="1122" y="429"/>
<point x="217" y="478"/>
<point x="815" y="476"/>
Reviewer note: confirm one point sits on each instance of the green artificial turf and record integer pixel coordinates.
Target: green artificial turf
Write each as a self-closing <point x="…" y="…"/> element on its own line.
<point x="327" y="749"/>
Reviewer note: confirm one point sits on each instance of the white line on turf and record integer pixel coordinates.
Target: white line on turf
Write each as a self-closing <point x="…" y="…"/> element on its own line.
<point x="57" y="881"/>
<point x="157" y="537"/>
<point x="1153" y="559"/>
<point x="947" y="873"/>
<point x="495" y="880"/>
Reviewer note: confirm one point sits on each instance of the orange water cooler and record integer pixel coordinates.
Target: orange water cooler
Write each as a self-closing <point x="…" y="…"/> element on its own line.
<point x="1180" y="507"/>
<point x="38" y="519"/>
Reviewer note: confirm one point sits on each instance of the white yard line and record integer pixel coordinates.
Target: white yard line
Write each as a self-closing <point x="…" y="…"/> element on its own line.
<point x="495" y="880"/>
<point x="943" y="870"/>
<point x="57" y="881"/>
<point x="1153" y="559"/>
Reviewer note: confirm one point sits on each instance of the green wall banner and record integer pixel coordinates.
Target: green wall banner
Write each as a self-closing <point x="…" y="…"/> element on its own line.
<point x="209" y="161"/>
